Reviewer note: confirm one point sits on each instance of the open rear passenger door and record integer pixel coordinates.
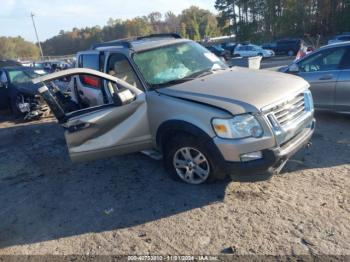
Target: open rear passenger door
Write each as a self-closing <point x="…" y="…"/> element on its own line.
<point x="121" y="126"/>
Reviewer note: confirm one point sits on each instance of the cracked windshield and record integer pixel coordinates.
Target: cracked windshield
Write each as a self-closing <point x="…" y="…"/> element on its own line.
<point x="180" y="62"/>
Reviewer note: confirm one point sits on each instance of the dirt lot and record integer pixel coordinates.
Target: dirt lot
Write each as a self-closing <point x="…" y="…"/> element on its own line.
<point x="129" y="205"/>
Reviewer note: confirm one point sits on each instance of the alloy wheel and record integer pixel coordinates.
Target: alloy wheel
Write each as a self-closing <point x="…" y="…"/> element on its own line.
<point x="191" y="165"/>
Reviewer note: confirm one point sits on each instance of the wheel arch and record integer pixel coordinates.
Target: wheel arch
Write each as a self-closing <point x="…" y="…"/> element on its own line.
<point x="170" y="128"/>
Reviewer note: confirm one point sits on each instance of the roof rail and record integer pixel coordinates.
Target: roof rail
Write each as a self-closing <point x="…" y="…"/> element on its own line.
<point x="165" y="35"/>
<point x="121" y="42"/>
<point x="127" y="41"/>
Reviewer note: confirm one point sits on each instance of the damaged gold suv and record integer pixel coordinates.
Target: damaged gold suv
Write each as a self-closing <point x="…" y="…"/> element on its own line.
<point x="173" y="96"/>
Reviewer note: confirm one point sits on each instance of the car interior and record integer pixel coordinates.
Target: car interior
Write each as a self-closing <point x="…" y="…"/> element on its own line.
<point x="120" y="68"/>
<point x="323" y="61"/>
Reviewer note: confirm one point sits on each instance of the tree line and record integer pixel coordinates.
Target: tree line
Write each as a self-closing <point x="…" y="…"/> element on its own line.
<point x="194" y="23"/>
<point x="264" y="20"/>
<point x="251" y="20"/>
<point x="13" y="47"/>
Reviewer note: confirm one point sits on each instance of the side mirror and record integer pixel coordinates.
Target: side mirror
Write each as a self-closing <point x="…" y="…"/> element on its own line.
<point x="293" y="68"/>
<point x="123" y="96"/>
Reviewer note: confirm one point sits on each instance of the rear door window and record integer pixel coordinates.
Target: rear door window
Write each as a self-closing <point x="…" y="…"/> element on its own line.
<point x="90" y="61"/>
<point x="345" y="63"/>
<point x="326" y="60"/>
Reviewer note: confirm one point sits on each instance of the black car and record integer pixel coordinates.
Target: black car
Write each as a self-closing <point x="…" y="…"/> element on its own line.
<point x="219" y="51"/>
<point x="229" y="47"/>
<point x="18" y="93"/>
<point x="7" y="62"/>
<point x="288" y="47"/>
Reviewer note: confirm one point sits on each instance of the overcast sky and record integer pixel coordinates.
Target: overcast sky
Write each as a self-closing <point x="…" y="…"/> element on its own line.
<point x="54" y="15"/>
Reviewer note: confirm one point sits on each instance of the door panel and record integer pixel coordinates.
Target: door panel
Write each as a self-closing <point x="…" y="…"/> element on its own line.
<point x="321" y="69"/>
<point x="110" y="131"/>
<point x="91" y="95"/>
<point x="104" y="130"/>
<point x="342" y="97"/>
<point x="322" y="86"/>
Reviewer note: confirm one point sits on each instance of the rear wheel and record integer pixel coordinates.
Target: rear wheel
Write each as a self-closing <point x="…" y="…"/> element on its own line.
<point x="188" y="160"/>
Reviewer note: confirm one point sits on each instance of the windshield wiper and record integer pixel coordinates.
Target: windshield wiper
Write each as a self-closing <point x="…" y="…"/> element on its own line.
<point x="172" y="82"/>
<point x="205" y="72"/>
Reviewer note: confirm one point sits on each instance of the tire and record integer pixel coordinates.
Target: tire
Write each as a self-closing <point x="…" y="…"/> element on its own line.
<point x="290" y="53"/>
<point x="187" y="159"/>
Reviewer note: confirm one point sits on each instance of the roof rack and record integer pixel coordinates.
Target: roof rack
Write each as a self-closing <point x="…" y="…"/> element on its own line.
<point x="127" y="41"/>
<point x="168" y="35"/>
<point x="121" y="42"/>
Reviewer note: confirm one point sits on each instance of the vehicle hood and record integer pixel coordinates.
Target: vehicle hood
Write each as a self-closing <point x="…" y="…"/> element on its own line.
<point x="29" y="89"/>
<point x="239" y="90"/>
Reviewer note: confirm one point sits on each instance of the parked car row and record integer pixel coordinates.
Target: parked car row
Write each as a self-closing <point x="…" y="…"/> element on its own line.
<point x="51" y="66"/>
<point x="229" y="50"/>
<point x="287" y="46"/>
<point x="250" y="50"/>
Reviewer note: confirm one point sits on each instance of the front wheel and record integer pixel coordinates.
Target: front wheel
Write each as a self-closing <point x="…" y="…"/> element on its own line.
<point x="188" y="160"/>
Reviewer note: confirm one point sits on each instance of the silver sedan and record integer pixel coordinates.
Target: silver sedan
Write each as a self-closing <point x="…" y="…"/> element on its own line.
<point x="328" y="72"/>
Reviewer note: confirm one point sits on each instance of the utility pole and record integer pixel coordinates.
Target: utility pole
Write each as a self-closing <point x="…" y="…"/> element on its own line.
<point x="37" y="37"/>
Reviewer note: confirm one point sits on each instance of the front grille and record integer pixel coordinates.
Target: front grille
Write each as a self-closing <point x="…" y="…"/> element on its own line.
<point x="288" y="111"/>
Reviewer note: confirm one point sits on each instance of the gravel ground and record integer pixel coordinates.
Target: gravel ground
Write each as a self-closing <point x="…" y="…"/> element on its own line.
<point x="129" y="205"/>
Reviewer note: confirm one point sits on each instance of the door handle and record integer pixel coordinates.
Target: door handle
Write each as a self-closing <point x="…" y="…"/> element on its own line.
<point x="326" y="77"/>
<point x="78" y="127"/>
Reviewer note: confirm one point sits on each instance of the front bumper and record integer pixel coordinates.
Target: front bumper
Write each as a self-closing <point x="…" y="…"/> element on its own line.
<point x="271" y="158"/>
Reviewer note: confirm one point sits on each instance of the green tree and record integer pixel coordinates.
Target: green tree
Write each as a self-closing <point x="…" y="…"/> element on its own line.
<point x="172" y="22"/>
<point x="260" y="20"/>
<point x="17" y="47"/>
<point x="199" y="23"/>
<point x="183" y="30"/>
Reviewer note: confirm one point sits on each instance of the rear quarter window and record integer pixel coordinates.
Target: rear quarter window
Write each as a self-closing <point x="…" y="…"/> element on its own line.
<point x="89" y="61"/>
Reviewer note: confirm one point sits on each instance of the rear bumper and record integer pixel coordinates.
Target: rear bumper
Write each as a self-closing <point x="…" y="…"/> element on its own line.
<point x="271" y="157"/>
